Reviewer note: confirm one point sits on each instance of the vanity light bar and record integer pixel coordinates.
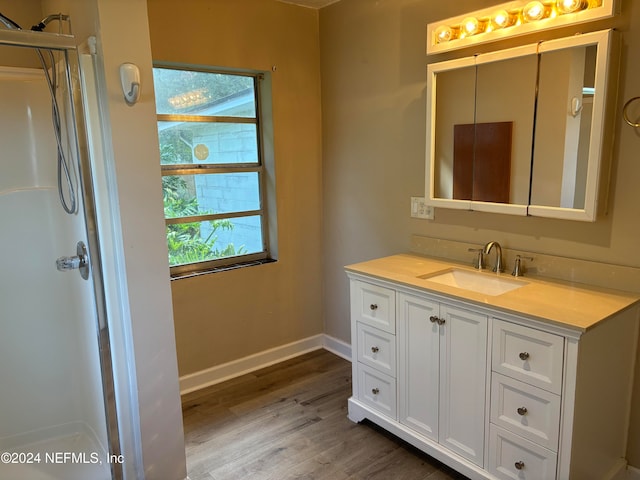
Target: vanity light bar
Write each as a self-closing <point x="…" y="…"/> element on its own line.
<point x="513" y="19"/>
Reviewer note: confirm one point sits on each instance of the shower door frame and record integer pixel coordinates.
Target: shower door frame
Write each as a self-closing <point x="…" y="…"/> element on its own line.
<point x="66" y="44"/>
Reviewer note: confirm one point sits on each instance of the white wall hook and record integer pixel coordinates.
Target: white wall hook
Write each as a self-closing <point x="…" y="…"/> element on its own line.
<point x="576" y="106"/>
<point x="130" y="80"/>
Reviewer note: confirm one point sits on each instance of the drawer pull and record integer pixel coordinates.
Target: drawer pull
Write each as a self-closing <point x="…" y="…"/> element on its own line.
<point x="519" y="465"/>
<point x="524" y="356"/>
<point x="522" y="411"/>
<point x="375" y="349"/>
<point x="375" y="391"/>
<point x="373" y="306"/>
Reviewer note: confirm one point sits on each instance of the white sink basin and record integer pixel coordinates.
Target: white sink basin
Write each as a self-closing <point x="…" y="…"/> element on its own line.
<point x="485" y="283"/>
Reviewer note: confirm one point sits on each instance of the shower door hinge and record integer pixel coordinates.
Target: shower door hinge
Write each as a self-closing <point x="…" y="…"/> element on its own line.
<point x="80" y="261"/>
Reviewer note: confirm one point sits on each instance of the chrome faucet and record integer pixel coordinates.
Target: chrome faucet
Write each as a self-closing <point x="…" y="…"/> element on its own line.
<point x="518" y="269"/>
<point x="498" y="265"/>
<point x="478" y="261"/>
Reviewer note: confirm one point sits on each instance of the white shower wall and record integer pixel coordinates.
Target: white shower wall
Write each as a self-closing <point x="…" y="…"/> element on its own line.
<point x="49" y="363"/>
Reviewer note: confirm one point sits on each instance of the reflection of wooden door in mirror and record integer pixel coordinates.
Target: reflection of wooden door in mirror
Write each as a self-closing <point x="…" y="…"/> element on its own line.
<point x="482" y="161"/>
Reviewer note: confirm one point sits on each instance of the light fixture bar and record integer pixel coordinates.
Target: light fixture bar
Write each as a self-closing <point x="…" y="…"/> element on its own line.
<point x="513" y="19"/>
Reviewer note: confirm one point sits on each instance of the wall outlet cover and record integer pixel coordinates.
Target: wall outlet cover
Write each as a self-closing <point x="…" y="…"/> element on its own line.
<point x="419" y="209"/>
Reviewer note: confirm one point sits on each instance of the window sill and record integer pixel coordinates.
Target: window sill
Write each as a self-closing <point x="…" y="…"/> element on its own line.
<point x="221" y="268"/>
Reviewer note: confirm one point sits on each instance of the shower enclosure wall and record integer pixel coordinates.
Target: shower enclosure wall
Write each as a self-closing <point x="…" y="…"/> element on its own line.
<point x="53" y="423"/>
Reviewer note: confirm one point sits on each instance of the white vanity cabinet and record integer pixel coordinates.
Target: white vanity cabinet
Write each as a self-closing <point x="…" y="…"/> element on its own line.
<point x="526" y="387"/>
<point x="373" y="313"/>
<point x="442" y="373"/>
<point x="493" y="393"/>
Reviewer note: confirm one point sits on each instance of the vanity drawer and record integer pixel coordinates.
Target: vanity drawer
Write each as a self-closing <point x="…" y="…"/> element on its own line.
<point x="529" y="355"/>
<point x="512" y="457"/>
<point x="377" y="349"/>
<point x="373" y="305"/>
<point x="377" y="390"/>
<point x="528" y="411"/>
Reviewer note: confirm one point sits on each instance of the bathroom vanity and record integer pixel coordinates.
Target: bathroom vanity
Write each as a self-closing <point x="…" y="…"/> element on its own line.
<point x="495" y="376"/>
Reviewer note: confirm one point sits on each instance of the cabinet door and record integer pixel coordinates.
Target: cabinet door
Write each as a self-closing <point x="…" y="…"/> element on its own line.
<point x="511" y="457"/>
<point x="377" y="390"/>
<point x="418" y="365"/>
<point x="529" y="355"/>
<point x="377" y="349"/>
<point x="463" y="368"/>
<point x="373" y="305"/>
<point x="528" y="411"/>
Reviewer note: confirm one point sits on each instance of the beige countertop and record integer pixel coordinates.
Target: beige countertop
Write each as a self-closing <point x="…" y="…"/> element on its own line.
<point x="571" y="305"/>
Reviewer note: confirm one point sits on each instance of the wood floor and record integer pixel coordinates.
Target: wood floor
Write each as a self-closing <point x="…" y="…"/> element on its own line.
<point x="289" y="421"/>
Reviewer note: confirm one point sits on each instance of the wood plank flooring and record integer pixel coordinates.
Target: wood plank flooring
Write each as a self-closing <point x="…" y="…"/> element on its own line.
<point x="289" y="421"/>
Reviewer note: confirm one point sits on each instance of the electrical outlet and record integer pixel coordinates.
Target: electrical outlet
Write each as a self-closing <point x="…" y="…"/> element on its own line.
<point x="419" y="209"/>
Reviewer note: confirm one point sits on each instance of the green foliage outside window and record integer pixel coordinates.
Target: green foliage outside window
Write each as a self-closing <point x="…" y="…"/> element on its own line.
<point x="185" y="241"/>
<point x="188" y="92"/>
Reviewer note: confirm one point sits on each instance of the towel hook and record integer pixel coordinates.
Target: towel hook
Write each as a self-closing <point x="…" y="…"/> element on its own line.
<point x="130" y="79"/>
<point x="624" y="113"/>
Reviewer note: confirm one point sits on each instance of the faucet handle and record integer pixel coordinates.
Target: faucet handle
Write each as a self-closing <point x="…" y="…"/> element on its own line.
<point x="478" y="261"/>
<point x="518" y="269"/>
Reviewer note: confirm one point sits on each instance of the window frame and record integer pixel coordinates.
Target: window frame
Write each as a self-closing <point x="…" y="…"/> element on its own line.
<point x="225" y="263"/>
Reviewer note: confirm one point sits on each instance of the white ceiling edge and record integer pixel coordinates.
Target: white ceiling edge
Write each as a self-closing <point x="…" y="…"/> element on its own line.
<point x="310" y="3"/>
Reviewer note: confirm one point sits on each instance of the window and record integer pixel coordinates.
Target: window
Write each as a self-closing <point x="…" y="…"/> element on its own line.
<point x="213" y="173"/>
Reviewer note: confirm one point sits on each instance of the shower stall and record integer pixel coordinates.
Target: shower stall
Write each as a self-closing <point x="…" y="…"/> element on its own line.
<point x="58" y="414"/>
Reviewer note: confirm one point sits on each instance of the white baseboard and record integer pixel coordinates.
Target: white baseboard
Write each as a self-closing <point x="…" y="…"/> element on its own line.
<point x="627" y="473"/>
<point x="633" y="473"/>
<point x="220" y="373"/>
<point x="619" y="471"/>
<point x="337" y="347"/>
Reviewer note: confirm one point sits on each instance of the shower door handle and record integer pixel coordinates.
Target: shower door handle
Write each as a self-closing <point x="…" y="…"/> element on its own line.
<point x="79" y="261"/>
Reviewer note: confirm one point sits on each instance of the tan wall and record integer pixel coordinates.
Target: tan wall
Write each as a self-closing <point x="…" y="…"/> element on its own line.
<point x="373" y="99"/>
<point x="226" y="316"/>
<point x="25" y="14"/>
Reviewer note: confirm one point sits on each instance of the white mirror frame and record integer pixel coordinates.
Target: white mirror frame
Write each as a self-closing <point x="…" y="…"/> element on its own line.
<point x="598" y="154"/>
<point x="599" y="142"/>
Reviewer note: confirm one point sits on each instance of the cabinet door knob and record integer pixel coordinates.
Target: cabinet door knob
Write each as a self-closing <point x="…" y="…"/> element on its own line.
<point x="375" y="349"/>
<point x="375" y="391"/>
<point x="522" y="410"/>
<point x="440" y="321"/>
<point x="519" y="465"/>
<point x="373" y="306"/>
<point x="524" y="356"/>
<point x="433" y="319"/>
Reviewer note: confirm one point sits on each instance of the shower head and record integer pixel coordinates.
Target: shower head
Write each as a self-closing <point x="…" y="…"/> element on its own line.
<point x="61" y="17"/>
<point x="7" y="22"/>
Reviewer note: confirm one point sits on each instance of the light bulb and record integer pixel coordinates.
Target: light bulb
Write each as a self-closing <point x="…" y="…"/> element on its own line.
<point x="501" y="19"/>
<point x="471" y="26"/>
<point x="570" y="6"/>
<point x="534" y="11"/>
<point x="444" y="33"/>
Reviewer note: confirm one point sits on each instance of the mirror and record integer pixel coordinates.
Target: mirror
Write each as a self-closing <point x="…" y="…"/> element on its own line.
<point x="519" y="131"/>
<point x="455" y="96"/>
<point x="506" y="93"/>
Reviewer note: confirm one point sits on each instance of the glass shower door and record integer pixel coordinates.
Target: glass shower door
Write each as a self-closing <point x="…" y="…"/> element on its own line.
<point x="53" y="420"/>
